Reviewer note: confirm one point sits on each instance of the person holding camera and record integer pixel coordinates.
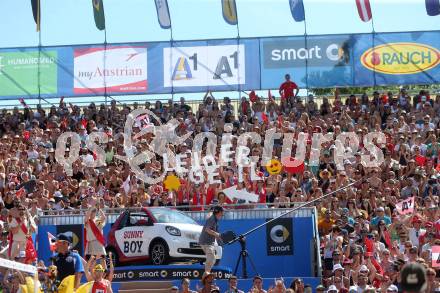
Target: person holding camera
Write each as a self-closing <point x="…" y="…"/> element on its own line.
<point x="94" y="222"/>
<point x="209" y="235"/>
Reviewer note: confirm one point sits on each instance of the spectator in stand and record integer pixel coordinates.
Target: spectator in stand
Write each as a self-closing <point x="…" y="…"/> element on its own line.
<point x="185" y="286"/>
<point x="410" y="169"/>
<point x="257" y="285"/>
<point x="233" y="285"/>
<point x="289" y="90"/>
<point x="208" y="283"/>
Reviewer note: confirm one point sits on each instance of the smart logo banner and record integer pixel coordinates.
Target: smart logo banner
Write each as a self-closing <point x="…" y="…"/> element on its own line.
<point x="315" y="61"/>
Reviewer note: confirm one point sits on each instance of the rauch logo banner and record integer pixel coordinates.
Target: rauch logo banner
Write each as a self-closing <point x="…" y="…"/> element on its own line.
<point x="401" y="58"/>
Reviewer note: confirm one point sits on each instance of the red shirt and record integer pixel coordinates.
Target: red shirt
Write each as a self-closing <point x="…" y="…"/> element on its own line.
<point x="286" y="89"/>
<point x="99" y="287"/>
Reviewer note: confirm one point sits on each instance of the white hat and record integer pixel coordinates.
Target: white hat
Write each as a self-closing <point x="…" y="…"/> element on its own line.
<point x="364" y="269"/>
<point x="332" y="288"/>
<point x="57" y="194"/>
<point x="392" y="288"/>
<point x="352" y="289"/>
<point x="337" y="267"/>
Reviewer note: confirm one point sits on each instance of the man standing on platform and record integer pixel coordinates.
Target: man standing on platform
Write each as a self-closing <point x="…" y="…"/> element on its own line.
<point x="209" y="235"/>
<point x="94" y="236"/>
<point x="20" y="228"/>
<point x="287" y="89"/>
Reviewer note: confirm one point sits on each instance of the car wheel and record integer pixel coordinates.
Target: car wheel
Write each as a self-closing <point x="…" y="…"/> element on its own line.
<point x="115" y="258"/>
<point x="159" y="253"/>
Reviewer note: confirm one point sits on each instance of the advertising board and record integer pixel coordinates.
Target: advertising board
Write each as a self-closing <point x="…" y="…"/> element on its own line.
<point x="115" y="69"/>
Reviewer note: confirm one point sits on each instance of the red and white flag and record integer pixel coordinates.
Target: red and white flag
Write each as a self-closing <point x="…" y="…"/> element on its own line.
<point x="436" y="256"/>
<point x="405" y="206"/>
<point x="269" y="96"/>
<point x="364" y="9"/>
<point x="52" y="242"/>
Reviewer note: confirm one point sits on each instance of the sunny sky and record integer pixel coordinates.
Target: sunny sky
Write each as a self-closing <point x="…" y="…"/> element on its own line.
<point x="71" y="21"/>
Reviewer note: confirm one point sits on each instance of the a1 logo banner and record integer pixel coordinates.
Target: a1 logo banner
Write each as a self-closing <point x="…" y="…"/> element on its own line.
<point x="436" y="256"/>
<point x="405" y="206"/>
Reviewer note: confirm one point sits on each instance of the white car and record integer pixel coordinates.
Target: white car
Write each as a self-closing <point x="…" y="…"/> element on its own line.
<point x="158" y="235"/>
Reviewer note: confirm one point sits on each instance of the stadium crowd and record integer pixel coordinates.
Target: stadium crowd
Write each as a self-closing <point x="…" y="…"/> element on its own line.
<point x="365" y="240"/>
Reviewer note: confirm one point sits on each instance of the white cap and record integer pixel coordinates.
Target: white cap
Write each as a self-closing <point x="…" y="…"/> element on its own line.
<point x="392" y="288"/>
<point x="337" y="267"/>
<point x="332" y="288"/>
<point x="352" y="289"/>
<point x="57" y="194"/>
<point x="364" y="269"/>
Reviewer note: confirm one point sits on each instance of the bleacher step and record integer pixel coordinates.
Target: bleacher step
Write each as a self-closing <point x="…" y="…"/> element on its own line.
<point x="145" y="291"/>
<point x="146" y="286"/>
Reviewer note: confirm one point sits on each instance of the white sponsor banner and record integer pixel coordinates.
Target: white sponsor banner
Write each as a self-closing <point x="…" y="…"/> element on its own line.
<point x="6" y="263"/>
<point x="204" y="66"/>
<point x="132" y="241"/>
<point x="120" y="69"/>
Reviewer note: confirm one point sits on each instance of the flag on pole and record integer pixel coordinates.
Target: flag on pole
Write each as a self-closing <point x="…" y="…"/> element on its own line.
<point x="297" y="9"/>
<point x="98" y="13"/>
<point x="36" y="11"/>
<point x="52" y="241"/>
<point x="435" y="256"/>
<point x="163" y="13"/>
<point x="22" y="102"/>
<point x="126" y="184"/>
<point x="432" y="7"/>
<point x="364" y="9"/>
<point x="229" y="9"/>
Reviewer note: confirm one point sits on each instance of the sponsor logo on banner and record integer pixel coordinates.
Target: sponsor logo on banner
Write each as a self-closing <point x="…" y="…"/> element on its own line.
<point x="279" y="235"/>
<point x="204" y="66"/>
<point x="401" y="58"/>
<point x="19" y="72"/>
<point x="317" y="52"/>
<point x="168" y="273"/>
<point x="132" y="241"/>
<point x="112" y="70"/>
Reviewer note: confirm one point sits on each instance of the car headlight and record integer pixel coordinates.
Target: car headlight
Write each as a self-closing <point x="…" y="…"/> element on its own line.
<point x="173" y="230"/>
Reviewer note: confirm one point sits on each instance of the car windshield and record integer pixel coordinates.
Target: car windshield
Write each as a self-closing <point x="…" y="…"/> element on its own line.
<point x="171" y="216"/>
